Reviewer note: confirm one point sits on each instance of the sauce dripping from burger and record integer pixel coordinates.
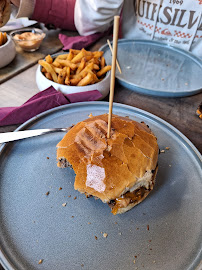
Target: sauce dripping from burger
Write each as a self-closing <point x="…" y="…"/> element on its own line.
<point x="127" y="198"/>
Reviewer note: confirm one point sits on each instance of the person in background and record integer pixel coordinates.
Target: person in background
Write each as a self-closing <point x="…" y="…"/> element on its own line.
<point x="174" y="22"/>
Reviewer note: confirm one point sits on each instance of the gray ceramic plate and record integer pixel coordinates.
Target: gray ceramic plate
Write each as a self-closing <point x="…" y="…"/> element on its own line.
<point x="163" y="232"/>
<point x="154" y="68"/>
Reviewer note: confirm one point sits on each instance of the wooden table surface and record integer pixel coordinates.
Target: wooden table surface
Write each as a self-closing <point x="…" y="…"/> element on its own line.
<point x="179" y="112"/>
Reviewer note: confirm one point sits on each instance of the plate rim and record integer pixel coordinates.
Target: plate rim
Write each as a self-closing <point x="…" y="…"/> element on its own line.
<point x="188" y="144"/>
<point x="156" y="92"/>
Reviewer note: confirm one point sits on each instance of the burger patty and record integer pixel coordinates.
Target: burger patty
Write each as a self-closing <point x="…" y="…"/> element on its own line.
<point x="128" y="198"/>
<point x="64" y="163"/>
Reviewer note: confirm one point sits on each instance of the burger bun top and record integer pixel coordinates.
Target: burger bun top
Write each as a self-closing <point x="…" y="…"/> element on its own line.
<point x="107" y="168"/>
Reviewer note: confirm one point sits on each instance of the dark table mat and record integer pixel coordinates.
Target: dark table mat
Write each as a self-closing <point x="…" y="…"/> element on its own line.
<point x="23" y="60"/>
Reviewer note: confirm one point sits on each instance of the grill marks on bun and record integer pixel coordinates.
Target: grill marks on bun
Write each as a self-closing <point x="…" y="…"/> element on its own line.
<point x="92" y="137"/>
<point x="110" y="168"/>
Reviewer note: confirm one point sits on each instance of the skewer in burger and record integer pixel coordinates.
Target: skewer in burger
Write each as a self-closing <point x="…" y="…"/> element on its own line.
<point x="5" y="12"/>
<point x="121" y="170"/>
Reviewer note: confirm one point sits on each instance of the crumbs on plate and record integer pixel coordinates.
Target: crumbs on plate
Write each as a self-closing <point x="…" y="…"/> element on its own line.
<point x="199" y="111"/>
<point x="105" y="235"/>
<point x="40" y="261"/>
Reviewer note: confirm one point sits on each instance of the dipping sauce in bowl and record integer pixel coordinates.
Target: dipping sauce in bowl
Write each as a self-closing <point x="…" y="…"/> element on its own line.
<point x="28" y="39"/>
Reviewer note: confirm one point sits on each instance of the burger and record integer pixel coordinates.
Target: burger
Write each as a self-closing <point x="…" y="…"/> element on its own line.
<point x="120" y="170"/>
<point x="5" y="12"/>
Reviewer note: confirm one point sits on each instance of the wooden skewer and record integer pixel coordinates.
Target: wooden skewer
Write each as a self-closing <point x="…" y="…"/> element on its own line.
<point x="117" y="63"/>
<point x="113" y="70"/>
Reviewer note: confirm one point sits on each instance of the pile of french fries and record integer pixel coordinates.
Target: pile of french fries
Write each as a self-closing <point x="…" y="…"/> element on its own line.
<point x="77" y="68"/>
<point x="3" y="38"/>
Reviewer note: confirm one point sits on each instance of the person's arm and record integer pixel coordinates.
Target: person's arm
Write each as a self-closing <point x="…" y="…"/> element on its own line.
<point x="91" y="16"/>
<point x="16" y="3"/>
<point x="59" y="13"/>
<point x="25" y="8"/>
<point x="88" y="16"/>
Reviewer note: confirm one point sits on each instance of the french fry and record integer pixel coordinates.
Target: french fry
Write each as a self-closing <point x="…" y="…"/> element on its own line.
<point x="67" y="79"/>
<point x="49" y="59"/>
<point x="78" y="51"/>
<point x="70" y="56"/>
<point x="78" y="57"/>
<point x="89" y="57"/>
<point x="87" y="53"/>
<point x="67" y="63"/>
<point x="78" y="67"/>
<point x="57" y="70"/>
<point x="48" y="76"/>
<point x="102" y="62"/>
<point x="1" y="38"/>
<point x="68" y="71"/>
<point x="62" y="56"/>
<point x="95" y="79"/>
<point x="75" y="81"/>
<point x="81" y="65"/>
<point x="98" y="54"/>
<point x="96" y="67"/>
<point x="86" y="80"/>
<point x="74" y="51"/>
<point x="78" y="77"/>
<point x="49" y="69"/>
<point x="5" y="37"/>
<point x="84" y="72"/>
<point x="88" y="67"/>
<point x="56" y="64"/>
<point x="103" y="71"/>
<point x="83" y="53"/>
<point x="61" y="76"/>
<point x="94" y="60"/>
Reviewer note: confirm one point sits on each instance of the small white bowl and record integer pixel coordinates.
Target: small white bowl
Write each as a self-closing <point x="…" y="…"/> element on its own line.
<point x="43" y="83"/>
<point x="7" y="52"/>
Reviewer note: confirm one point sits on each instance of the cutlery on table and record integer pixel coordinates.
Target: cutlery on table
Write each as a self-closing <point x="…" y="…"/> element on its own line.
<point x="18" y="135"/>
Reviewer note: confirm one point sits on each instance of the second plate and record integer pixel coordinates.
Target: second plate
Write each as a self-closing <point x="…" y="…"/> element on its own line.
<point x="156" y="69"/>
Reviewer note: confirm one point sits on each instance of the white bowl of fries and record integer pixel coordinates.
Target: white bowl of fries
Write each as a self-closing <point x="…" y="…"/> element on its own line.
<point x="74" y="72"/>
<point x="7" y="49"/>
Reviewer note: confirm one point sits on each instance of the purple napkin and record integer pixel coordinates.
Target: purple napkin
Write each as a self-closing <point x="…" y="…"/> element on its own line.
<point x="79" y="42"/>
<point x="42" y="101"/>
